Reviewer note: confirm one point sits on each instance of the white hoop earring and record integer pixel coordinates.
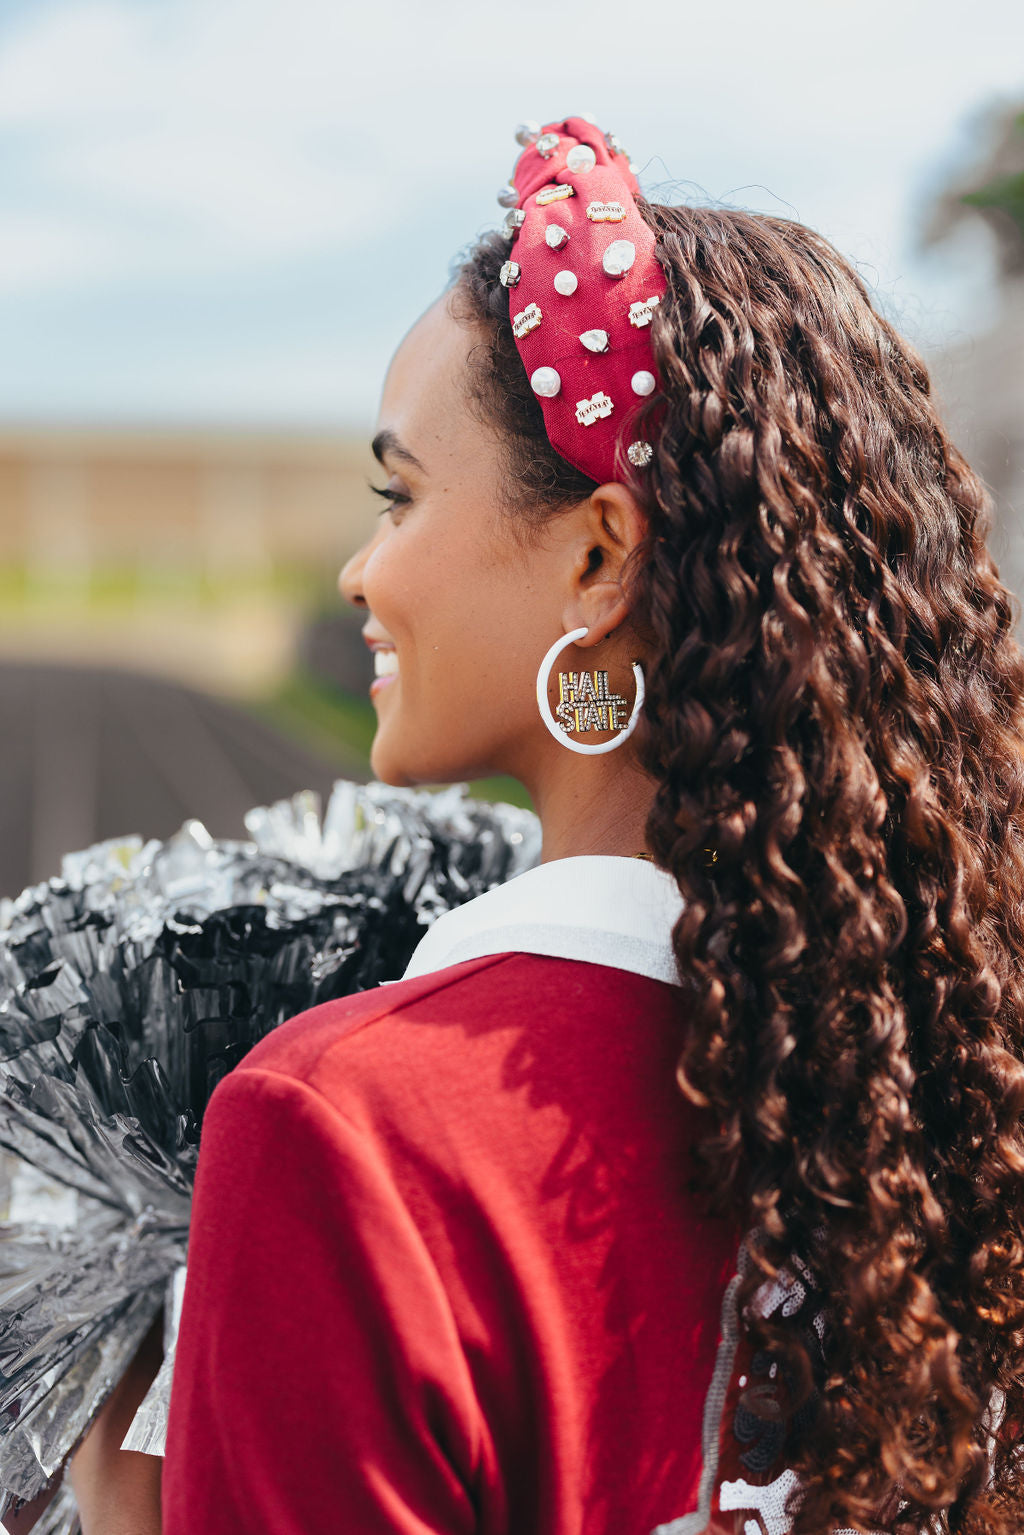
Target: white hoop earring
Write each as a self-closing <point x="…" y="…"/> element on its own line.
<point x="587" y="703"/>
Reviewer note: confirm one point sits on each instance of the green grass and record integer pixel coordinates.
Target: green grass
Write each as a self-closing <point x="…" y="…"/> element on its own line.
<point x="340" y="727"/>
<point x="108" y="588"/>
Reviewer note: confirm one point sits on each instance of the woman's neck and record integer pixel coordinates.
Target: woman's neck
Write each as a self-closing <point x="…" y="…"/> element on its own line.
<point x="595" y="806"/>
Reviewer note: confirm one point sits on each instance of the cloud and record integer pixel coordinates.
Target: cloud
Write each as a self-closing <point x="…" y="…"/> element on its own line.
<point x="177" y="153"/>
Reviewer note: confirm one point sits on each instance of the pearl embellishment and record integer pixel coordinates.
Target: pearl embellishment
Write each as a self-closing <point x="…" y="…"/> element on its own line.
<point x="566" y="283"/>
<point x="545" y="382"/>
<point x="581" y="159"/>
<point x="527" y="133"/>
<point x="643" y="382"/>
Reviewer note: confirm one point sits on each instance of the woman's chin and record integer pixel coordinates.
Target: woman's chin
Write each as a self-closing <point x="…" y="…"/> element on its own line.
<point x="387" y="770"/>
<point x="410" y="770"/>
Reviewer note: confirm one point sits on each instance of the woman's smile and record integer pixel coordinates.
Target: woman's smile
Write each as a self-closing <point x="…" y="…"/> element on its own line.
<point x="385" y="662"/>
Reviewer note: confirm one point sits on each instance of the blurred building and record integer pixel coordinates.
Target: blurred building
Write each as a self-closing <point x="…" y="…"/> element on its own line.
<point x="155" y="587"/>
<point x="193" y="555"/>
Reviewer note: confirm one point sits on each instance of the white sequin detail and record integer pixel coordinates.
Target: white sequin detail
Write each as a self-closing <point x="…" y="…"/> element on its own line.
<point x="767" y="1502"/>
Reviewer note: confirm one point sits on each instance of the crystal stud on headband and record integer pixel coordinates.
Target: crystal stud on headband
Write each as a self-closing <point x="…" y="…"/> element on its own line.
<point x="555" y="237"/>
<point x="640" y="454"/>
<point x="597" y="341"/>
<point x="546" y="144"/>
<point x="527" y="133"/>
<point x="619" y="257"/>
<point x="510" y="274"/>
<point x="545" y="382"/>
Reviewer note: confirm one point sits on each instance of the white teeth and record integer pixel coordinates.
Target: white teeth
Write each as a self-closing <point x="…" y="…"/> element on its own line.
<point x="385" y="663"/>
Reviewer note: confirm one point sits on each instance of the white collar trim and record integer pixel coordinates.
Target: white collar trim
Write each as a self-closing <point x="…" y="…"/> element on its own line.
<point x="601" y="909"/>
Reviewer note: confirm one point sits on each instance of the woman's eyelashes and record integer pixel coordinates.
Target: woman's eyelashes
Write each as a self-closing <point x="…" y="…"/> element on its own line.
<point x="395" y="499"/>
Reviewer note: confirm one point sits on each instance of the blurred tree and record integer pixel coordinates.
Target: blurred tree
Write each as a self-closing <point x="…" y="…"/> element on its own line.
<point x="992" y="190"/>
<point x="979" y="379"/>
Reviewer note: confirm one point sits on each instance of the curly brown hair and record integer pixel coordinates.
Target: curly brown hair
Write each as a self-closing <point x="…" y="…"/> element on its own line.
<point x="834" y="704"/>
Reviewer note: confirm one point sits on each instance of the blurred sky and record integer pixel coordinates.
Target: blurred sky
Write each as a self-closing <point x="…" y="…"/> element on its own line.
<point x="231" y="210"/>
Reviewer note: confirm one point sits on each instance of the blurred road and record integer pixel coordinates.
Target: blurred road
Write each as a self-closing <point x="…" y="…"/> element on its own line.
<point x="89" y="754"/>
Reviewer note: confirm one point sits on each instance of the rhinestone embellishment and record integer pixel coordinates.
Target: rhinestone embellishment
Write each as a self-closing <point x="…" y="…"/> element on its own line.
<point x="643" y="382"/>
<point x="546" y="145"/>
<point x="510" y="274"/>
<point x="555" y="237"/>
<point x="584" y="703"/>
<point x="642" y="312"/>
<point x="594" y="409"/>
<point x="581" y="159"/>
<point x="566" y="283"/>
<point x="619" y="257"/>
<point x="595" y="340"/>
<point x="545" y="382"/>
<point x="508" y="197"/>
<point x="515" y="218"/>
<point x="526" y="320"/>
<point x="640" y="454"/>
<point x="554" y="194"/>
<point x="605" y="213"/>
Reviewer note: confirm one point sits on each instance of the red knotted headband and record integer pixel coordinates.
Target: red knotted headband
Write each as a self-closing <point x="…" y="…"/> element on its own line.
<point x="583" y="282"/>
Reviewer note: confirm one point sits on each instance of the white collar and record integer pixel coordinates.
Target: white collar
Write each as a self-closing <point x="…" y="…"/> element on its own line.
<point x="606" y="910"/>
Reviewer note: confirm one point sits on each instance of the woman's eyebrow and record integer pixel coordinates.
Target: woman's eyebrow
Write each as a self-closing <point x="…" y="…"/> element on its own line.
<point x="387" y="442"/>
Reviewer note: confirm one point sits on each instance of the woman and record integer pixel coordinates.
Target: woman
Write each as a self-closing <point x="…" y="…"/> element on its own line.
<point x="679" y="1183"/>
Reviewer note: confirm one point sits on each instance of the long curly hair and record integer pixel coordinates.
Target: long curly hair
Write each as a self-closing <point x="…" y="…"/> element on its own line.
<point x="834" y="706"/>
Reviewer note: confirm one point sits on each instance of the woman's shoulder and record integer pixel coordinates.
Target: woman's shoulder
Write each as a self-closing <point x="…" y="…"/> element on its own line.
<point x="440" y="1044"/>
<point x="298" y="1047"/>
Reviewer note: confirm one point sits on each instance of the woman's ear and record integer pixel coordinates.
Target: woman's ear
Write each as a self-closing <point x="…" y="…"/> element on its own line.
<point x="610" y="525"/>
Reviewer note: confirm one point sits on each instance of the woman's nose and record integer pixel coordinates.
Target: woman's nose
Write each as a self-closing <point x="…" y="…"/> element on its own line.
<point x="350" y="577"/>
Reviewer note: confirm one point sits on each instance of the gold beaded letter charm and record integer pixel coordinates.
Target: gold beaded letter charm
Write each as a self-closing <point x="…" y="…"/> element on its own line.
<point x="584" y="702"/>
